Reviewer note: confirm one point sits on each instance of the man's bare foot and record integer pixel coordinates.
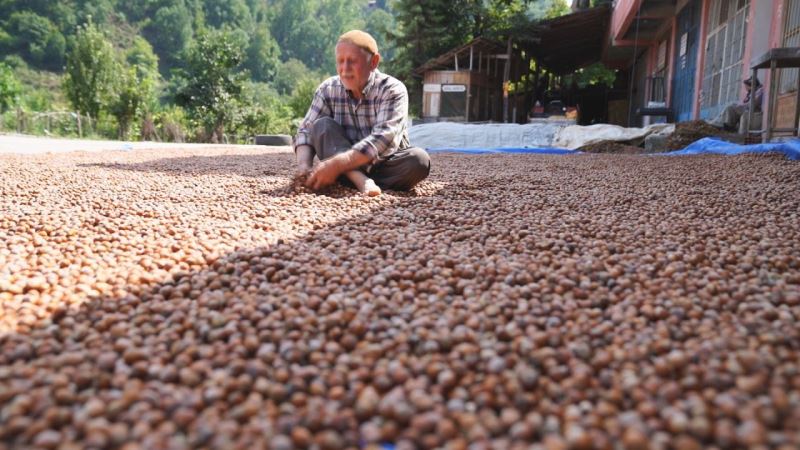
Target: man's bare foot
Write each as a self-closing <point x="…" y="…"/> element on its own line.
<point x="370" y="189"/>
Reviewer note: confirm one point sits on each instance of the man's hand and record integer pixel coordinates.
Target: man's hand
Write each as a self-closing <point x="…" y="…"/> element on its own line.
<point x="324" y="174"/>
<point x="329" y="170"/>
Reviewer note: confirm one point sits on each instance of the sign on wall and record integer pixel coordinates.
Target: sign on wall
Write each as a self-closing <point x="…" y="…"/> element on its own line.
<point x="454" y="88"/>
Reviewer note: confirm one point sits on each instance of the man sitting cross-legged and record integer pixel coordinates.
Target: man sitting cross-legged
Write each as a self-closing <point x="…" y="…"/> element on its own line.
<point x="356" y="126"/>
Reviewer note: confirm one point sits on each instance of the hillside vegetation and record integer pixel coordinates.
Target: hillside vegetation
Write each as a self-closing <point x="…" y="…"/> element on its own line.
<point x="208" y="70"/>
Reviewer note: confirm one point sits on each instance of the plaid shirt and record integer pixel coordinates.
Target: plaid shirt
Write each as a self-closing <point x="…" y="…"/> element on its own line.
<point x="376" y="124"/>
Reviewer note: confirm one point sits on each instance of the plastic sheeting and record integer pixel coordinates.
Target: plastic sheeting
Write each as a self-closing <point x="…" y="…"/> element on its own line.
<point x="483" y="136"/>
<point x="576" y="136"/>
<point x="717" y="146"/>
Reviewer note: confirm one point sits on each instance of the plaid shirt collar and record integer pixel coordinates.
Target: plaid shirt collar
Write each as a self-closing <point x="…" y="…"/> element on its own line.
<point x="367" y="88"/>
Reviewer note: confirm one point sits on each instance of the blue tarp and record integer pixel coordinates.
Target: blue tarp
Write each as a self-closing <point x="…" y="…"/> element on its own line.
<point x="717" y="146"/>
<point x="789" y="148"/>
<point x="540" y="151"/>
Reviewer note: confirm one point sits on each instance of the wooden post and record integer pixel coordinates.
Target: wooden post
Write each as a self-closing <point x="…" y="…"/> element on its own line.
<point x="471" y="48"/>
<point x="773" y="94"/>
<point x="469" y="95"/>
<point x="796" y="104"/>
<point x="80" y="131"/>
<point x="506" y="73"/>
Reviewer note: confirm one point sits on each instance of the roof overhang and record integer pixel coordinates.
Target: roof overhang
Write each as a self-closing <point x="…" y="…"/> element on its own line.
<point x="561" y="45"/>
<point x="637" y="24"/>
<point x="478" y="46"/>
<point x="567" y="43"/>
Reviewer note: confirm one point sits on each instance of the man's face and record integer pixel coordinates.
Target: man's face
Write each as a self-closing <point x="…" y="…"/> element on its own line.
<point x="353" y="64"/>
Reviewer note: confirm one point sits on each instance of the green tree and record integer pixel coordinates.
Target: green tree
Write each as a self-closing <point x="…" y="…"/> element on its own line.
<point x="289" y="74"/>
<point x="10" y="87"/>
<point x="169" y="32"/>
<point x="546" y="9"/>
<point x="302" y="95"/>
<point x="143" y="58"/>
<point x="134" y="88"/>
<point x="127" y="100"/>
<point x="37" y="39"/>
<point x="557" y="9"/>
<point x="379" y="24"/>
<point x="594" y="74"/>
<point x="89" y="78"/>
<point x="263" y="111"/>
<point x="219" y="13"/>
<point x="307" y="30"/>
<point x="336" y="17"/>
<point x="211" y="83"/>
<point x="263" y="55"/>
<point x="424" y="30"/>
<point x="285" y="17"/>
<point x="98" y="11"/>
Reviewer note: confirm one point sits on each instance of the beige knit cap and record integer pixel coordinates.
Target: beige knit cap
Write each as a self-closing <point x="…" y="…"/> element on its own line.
<point x="360" y="39"/>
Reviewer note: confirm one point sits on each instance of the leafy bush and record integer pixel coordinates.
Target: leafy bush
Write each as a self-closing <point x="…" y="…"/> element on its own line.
<point x="172" y="124"/>
<point x="211" y="83"/>
<point x="302" y="96"/>
<point x="595" y="74"/>
<point x="10" y="87"/>
<point x="90" y="70"/>
<point x="262" y="111"/>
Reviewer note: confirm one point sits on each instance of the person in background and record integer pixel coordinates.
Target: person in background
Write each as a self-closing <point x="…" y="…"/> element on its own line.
<point x="728" y="119"/>
<point x="356" y="126"/>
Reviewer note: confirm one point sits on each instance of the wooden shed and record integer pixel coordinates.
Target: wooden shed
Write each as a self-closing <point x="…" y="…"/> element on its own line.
<point x="466" y="84"/>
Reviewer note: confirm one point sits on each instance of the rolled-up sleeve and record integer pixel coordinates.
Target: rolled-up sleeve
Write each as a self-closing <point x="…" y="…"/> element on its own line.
<point x="389" y="124"/>
<point x="319" y="108"/>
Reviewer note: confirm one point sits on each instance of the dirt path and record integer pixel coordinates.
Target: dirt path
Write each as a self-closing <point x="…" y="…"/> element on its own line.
<point x="20" y="144"/>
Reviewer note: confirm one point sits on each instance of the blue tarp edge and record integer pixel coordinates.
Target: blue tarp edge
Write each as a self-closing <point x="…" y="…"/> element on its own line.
<point x="710" y="145"/>
<point x="790" y="148"/>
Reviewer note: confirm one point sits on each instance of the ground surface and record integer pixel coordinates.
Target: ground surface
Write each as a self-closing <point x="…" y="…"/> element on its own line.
<point x="174" y="299"/>
<point x="32" y="145"/>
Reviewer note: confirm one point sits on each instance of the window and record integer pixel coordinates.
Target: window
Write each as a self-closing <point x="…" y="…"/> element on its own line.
<point x="454" y="101"/>
<point x="725" y="42"/>
<point x="657" y="80"/>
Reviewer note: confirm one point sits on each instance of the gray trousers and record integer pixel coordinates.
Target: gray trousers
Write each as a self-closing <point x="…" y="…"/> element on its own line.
<point x="729" y="117"/>
<point x="400" y="171"/>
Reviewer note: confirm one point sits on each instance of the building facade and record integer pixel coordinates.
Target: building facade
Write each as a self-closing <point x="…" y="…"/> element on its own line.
<point x="692" y="55"/>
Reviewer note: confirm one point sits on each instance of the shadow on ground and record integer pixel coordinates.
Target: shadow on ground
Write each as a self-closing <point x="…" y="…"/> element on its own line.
<point x="245" y="165"/>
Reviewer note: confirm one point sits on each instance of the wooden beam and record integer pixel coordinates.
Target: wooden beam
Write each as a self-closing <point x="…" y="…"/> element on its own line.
<point x="506" y="73"/>
<point x="470" y="57"/>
